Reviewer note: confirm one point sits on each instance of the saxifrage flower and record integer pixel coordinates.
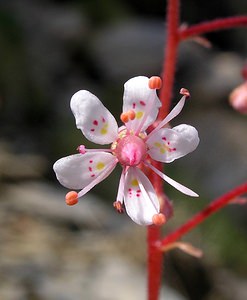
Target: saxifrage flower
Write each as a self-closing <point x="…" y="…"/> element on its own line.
<point x="130" y="146"/>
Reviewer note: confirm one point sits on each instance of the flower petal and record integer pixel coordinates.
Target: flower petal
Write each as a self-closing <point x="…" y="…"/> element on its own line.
<point x="80" y="170"/>
<point x="166" y="144"/>
<point x="95" y="121"/>
<point x="138" y="97"/>
<point x="140" y="199"/>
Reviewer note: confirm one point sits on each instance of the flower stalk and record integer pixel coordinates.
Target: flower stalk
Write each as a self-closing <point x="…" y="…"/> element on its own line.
<point x="213" y="207"/>
<point x="155" y="256"/>
<point x="210" y="26"/>
<point x="175" y="35"/>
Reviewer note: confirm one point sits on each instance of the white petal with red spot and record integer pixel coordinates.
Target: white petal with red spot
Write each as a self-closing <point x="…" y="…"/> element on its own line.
<point x="166" y="145"/>
<point x="140" y="199"/>
<point x="80" y="170"/>
<point x="95" y="121"/>
<point x="142" y="100"/>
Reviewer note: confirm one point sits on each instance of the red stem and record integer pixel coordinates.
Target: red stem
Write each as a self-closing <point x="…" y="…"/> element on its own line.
<point x="170" y="56"/>
<point x="210" y="26"/>
<point x="205" y="213"/>
<point x="155" y="256"/>
<point x="155" y="259"/>
<point x="174" y="36"/>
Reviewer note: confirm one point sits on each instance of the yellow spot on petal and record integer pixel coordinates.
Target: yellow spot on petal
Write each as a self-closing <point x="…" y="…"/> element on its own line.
<point x="139" y="114"/>
<point x="100" y="166"/>
<point x="134" y="182"/>
<point x="157" y="144"/>
<point x="162" y="150"/>
<point x="104" y="129"/>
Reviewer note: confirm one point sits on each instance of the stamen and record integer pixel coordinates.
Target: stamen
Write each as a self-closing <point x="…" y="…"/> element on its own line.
<point x="71" y="198"/>
<point x="155" y="82"/>
<point x="118" y="206"/>
<point x="173" y="113"/>
<point x="143" y="190"/>
<point x="100" y="177"/>
<point x="147" y="112"/>
<point x="131" y="115"/>
<point x="120" y="193"/>
<point x="81" y="149"/>
<point x="124" y="117"/>
<point x="185" y="92"/>
<point x="183" y="189"/>
<point x="159" y="219"/>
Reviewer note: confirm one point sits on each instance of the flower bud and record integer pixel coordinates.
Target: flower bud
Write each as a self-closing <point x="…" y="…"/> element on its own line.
<point x="238" y="98"/>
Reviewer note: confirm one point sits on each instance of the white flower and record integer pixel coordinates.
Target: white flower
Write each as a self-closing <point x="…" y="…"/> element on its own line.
<point x="131" y="146"/>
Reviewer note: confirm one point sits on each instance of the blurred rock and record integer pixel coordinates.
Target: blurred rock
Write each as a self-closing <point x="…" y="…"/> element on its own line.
<point x="131" y="47"/>
<point x="44" y="257"/>
<point x="208" y="74"/>
<point x="41" y="200"/>
<point x="224" y="279"/>
<point x="20" y="166"/>
<point x="219" y="163"/>
<point x="221" y="74"/>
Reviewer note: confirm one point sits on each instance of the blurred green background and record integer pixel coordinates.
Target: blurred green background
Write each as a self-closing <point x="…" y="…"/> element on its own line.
<point x="48" y="51"/>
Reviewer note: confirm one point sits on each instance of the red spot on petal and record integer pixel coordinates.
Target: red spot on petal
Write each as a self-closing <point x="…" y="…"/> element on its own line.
<point x="137" y="195"/>
<point x="142" y="103"/>
<point x="92" y="175"/>
<point x="164" y="138"/>
<point x="103" y="119"/>
<point x="129" y="190"/>
<point x="92" y="130"/>
<point x="134" y="105"/>
<point x="174" y="149"/>
<point x="90" y="161"/>
<point x="138" y="191"/>
<point x="90" y="169"/>
<point x="95" y="122"/>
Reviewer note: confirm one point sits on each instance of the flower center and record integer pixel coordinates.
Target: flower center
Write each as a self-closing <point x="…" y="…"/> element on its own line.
<point x="130" y="150"/>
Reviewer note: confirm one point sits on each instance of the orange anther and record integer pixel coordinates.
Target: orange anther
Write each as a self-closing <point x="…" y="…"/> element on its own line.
<point x="118" y="206"/>
<point x="131" y="115"/>
<point x="71" y="198"/>
<point x="124" y="117"/>
<point x="185" y="92"/>
<point x="155" y="82"/>
<point x="159" y="219"/>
